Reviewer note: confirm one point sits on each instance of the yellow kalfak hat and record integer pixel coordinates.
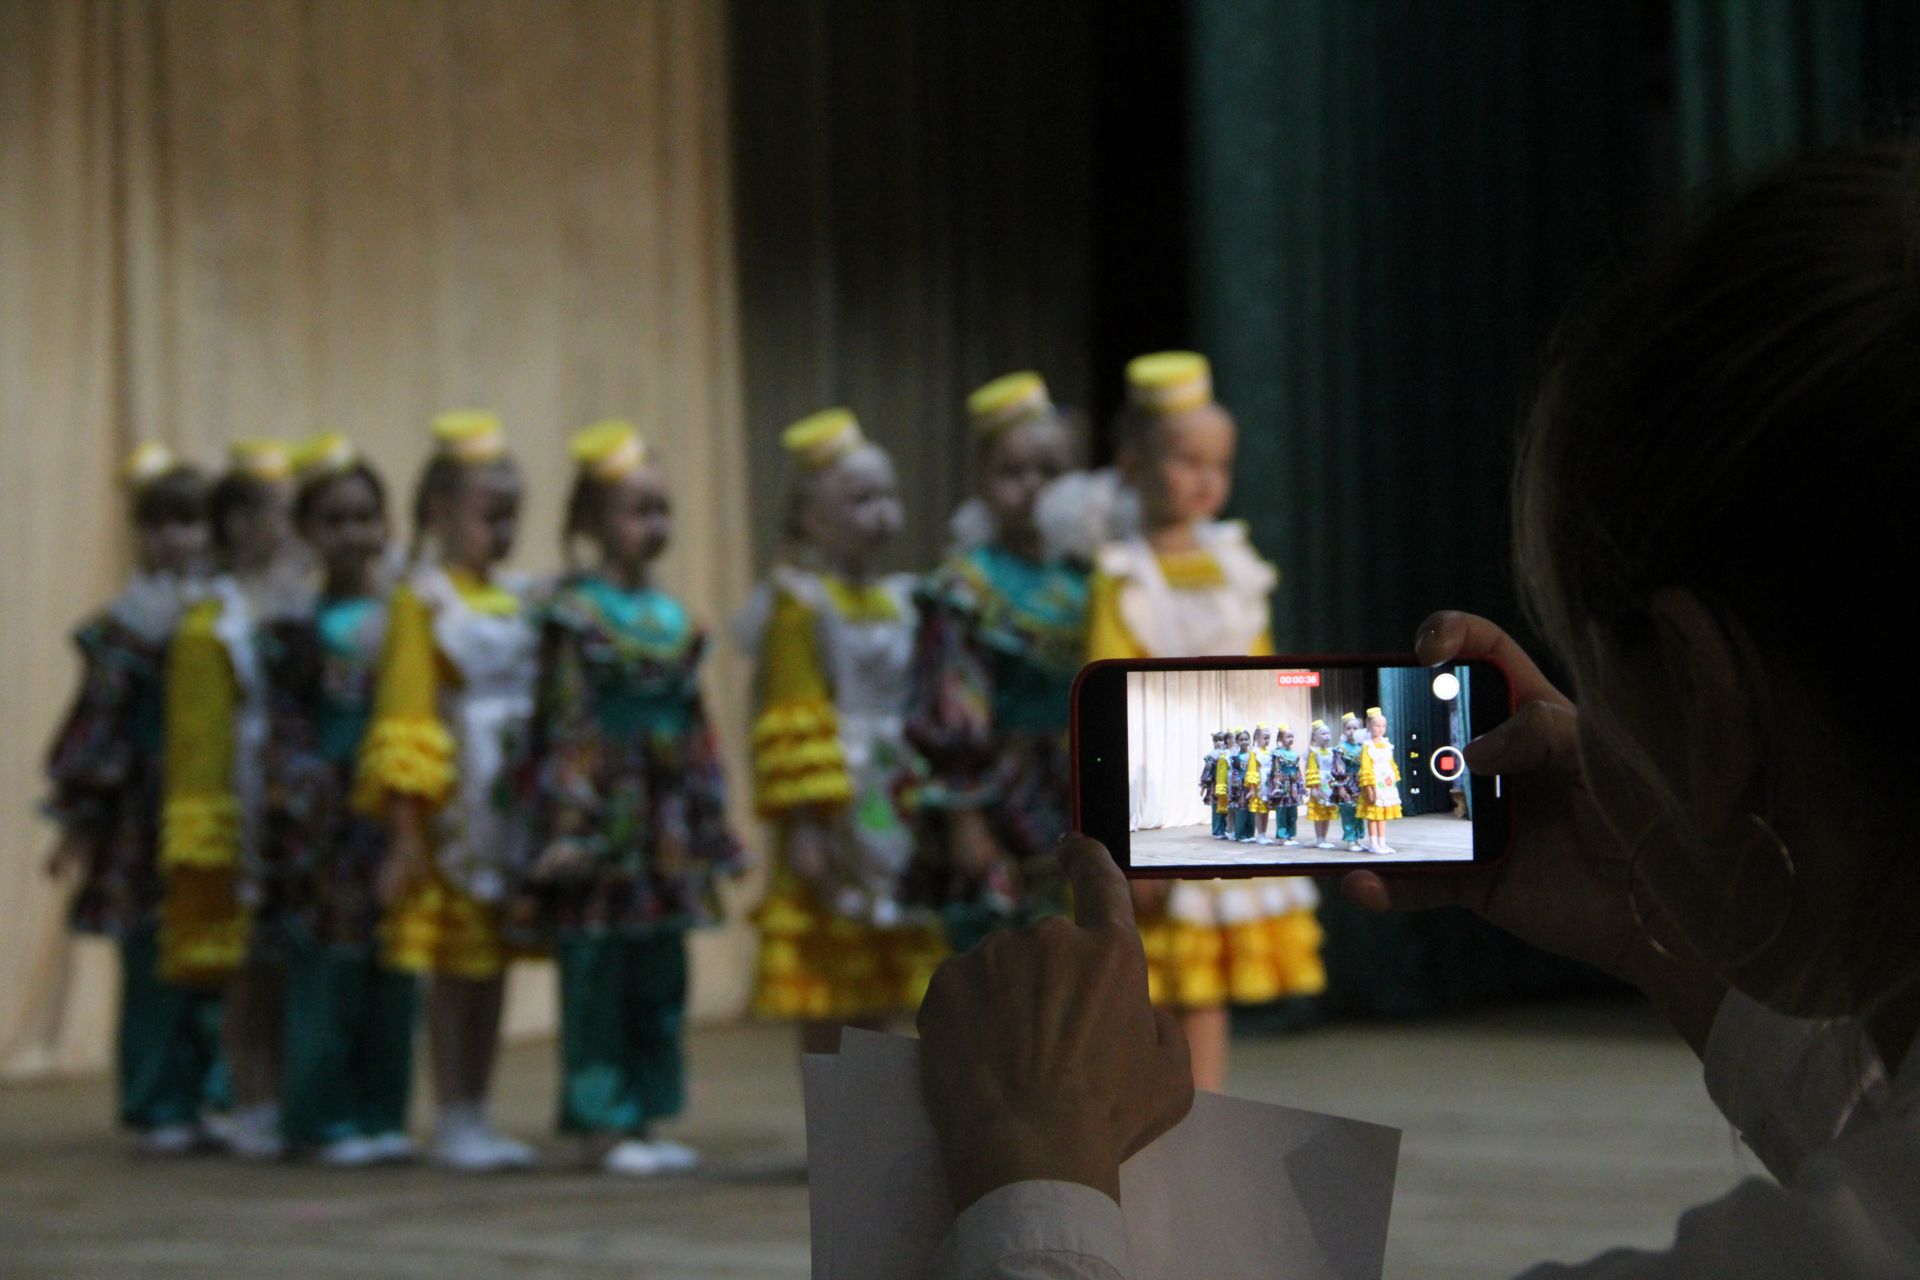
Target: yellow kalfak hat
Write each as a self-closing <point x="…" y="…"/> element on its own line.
<point x="1008" y="401"/>
<point x="328" y="454"/>
<point x="261" y="459"/>
<point x="1375" y="711"/>
<point x="821" y="439"/>
<point x="147" y="463"/>
<point x="469" y="435"/>
<point x="1169" y="382"/>
<point x="609" y="449"/>
<point x="1319" y="724"/>
<point x="1285" y="728"/>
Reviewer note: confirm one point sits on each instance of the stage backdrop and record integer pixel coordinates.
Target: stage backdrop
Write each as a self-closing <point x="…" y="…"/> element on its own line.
<point x="221" y="220"/>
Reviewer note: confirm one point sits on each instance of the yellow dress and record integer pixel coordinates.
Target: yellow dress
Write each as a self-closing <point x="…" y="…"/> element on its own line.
<point x="1372" y="776"/>
<point x="1218" y="941"/>
<point x="1317" y="812"/>
<point x="441" y="925"/>
<point x="203" y="922"/>
<point x="1222" y="792"/>
<point x="1257" y="763"/>
<point x="828" y="741"/>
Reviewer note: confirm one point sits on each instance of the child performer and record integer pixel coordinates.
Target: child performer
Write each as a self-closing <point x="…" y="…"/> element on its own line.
<point x="1001" y="633"/>
<point x="1210" y="785"/>
<point x="629" y="810"/>
<point x="1240" y="816"/>
<point x="1259" y="770"/>
<point x="1346" y="781"/>
<point x="105" y="772"/>
<point x="1320" y="775"/>
<point x="1192" y="587"/>
<point x="831" y="768"/>
<point x="1287" y="790"/>
<point x="216" y="923"/>
<point x="349" y="1019"/>
<point x="455" y="683"/>
<point x="1379" y="783"/>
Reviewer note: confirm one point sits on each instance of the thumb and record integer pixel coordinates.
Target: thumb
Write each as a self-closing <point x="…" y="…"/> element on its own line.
<point x="1100" y="893"/>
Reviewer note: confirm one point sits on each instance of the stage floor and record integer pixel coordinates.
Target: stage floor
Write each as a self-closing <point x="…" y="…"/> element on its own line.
<point x="1531" y="1132"/>
<point x="1431" y="835"/>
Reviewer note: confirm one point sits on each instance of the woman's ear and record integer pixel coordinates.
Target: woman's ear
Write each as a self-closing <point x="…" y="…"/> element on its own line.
<point x="1711" y="699"/>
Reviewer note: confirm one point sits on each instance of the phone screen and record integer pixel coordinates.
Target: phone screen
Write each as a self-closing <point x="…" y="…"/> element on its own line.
<point x="1244" y="766"/>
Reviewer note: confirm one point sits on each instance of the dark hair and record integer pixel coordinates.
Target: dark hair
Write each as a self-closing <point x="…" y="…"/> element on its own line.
<point x="176" y="496"/>
<point x="439" y="480"/>
<point x="1769" y="352"/>
<point x="312" y="490"/>
<point x="233" y="492"/>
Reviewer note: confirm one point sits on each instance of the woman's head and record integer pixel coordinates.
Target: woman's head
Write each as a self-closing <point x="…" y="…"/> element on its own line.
<point x="168" y="502"/>
<point x="1711" y="507"/>
<point x="340" y="510"/>
<point x="846" y="504"/>
<point x="1024" y="446"/>
<point x="1176" y="444"/>
<point x="468" y="497"/>
<point x="619" y="501"/>
<point x="250" y="509"/>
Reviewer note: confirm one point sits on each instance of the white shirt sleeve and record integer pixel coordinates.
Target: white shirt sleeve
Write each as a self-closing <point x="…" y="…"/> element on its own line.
<point x="1036" y="1231"/>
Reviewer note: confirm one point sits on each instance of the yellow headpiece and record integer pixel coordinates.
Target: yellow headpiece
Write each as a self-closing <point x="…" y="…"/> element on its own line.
<point x="821" y="439"/>
<point x="146" y="464"/>
<point x="1319" y="724"/>
<point x="261" y="459"/>
<point x="327" y="454"/>
<point x="1375" y="711"/>
<point x="609" y="450"/>
<point x="1168" y="382"/>
<point x="1348" y="715"/>
<point x="1285" y="728"/>
<point x="469" y="435"/>
<point x="1008" y="401"/>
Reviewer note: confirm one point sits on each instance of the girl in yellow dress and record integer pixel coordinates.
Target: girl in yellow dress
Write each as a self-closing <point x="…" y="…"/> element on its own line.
<point x="1259" y="773"/>
<point x="1321" y="809"/>
<point x="1379" y="783"/>
<point x="1191" y="586"/>
<point x="833" y="640"/>
<point x="216" y="736"/>
<point x="455" y="684"/>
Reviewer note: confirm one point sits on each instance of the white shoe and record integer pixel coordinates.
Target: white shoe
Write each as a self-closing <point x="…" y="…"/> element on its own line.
<point x="1324" y="844"/>
<point x="393" y="1148"/>
<point x="171" y="1140"/>
<point x="470" y="1145"/>
<point x="349" y="1153"/>
<point x="635" y="1159"/>
<point x="1386" y="848"/>
<point x="1288" y="843"/>
<point x="254" y="1133"/>
<point x="675" y="1157"/>
<point x="1354" y="846"/>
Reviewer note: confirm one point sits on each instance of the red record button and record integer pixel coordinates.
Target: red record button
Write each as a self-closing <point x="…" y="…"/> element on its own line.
<point x="1447" y="764"/>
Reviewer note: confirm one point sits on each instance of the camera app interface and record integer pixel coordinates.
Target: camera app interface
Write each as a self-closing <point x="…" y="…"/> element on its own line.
<point x="1353" y="765"/>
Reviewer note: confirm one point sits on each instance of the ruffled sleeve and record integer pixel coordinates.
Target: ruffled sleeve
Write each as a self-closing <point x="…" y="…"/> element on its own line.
<point x="407" y="750"/>
<point x="1107" y="634"/>
<point x="797" y="757"/>
<point x="1366" y="768"/>
<point x="200" y="815"/>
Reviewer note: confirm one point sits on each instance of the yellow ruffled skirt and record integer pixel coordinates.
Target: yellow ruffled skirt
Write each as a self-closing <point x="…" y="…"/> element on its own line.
<point x="1317" y="812"/>
<point x="437" y="928"/>
<point x="204" y="927"/>
<point x="1201" y="966"/>
<point x="818" y="966"/>
<point x="1377" y="812"/>
<point x="1257" y="805"/>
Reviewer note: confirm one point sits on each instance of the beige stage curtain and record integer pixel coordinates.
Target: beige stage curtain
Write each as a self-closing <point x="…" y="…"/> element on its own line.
<point x="1171" y="718"/>
<point x="233" y="219"/>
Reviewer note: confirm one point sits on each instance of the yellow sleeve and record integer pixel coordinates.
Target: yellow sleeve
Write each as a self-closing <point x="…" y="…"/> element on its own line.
<point x="407" y="750"/>
<point x="1253" y="770"/>
<point x="200" y="816"/>
<point x="1107" y="635"/>
<point x="797" y="757"/>
<point x="1393" y="771"/>
<point x="1220" y="776"/>
<point x="1313" y="769"/>
<point x="1263" y="646"/>
<point x="1366" y="768"/>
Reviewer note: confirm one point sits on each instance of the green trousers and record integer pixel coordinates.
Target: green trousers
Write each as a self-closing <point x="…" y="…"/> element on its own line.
<point x="349" y="1045"/>
<point x="1286" y="821"/>
<point x="1352" y="829"/>
<point x="170" y="1063"/>
<point x="623" y="1000"/>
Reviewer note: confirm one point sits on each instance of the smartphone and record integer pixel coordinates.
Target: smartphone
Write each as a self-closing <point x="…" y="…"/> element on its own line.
<point x="1155" y="785"/>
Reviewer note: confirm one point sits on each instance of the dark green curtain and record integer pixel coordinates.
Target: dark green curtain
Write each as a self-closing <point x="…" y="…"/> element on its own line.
<point x="1417" y="723"/>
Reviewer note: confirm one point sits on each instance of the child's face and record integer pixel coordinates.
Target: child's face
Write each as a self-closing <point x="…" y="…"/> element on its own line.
<point x="1240" y="740"/>
<point x="1286" y="739"/>
<point x="1186" y="471"/>
<point x="1261" y="738"/>
<point x="856" y="511"/>
<point x="635" y="517"/>
<point x="478" y="522"/>
<point x="1322" y="737"/>
<point x="346" y="526"/>
<point x="258" y="531"/>
<point x="1022" y="461"/>
<point x="174" y="544"/>
<point x="1377" y="726"/>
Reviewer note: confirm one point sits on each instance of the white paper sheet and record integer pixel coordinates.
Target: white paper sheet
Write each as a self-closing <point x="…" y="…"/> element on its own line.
<point x="1238" y="1189"/>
